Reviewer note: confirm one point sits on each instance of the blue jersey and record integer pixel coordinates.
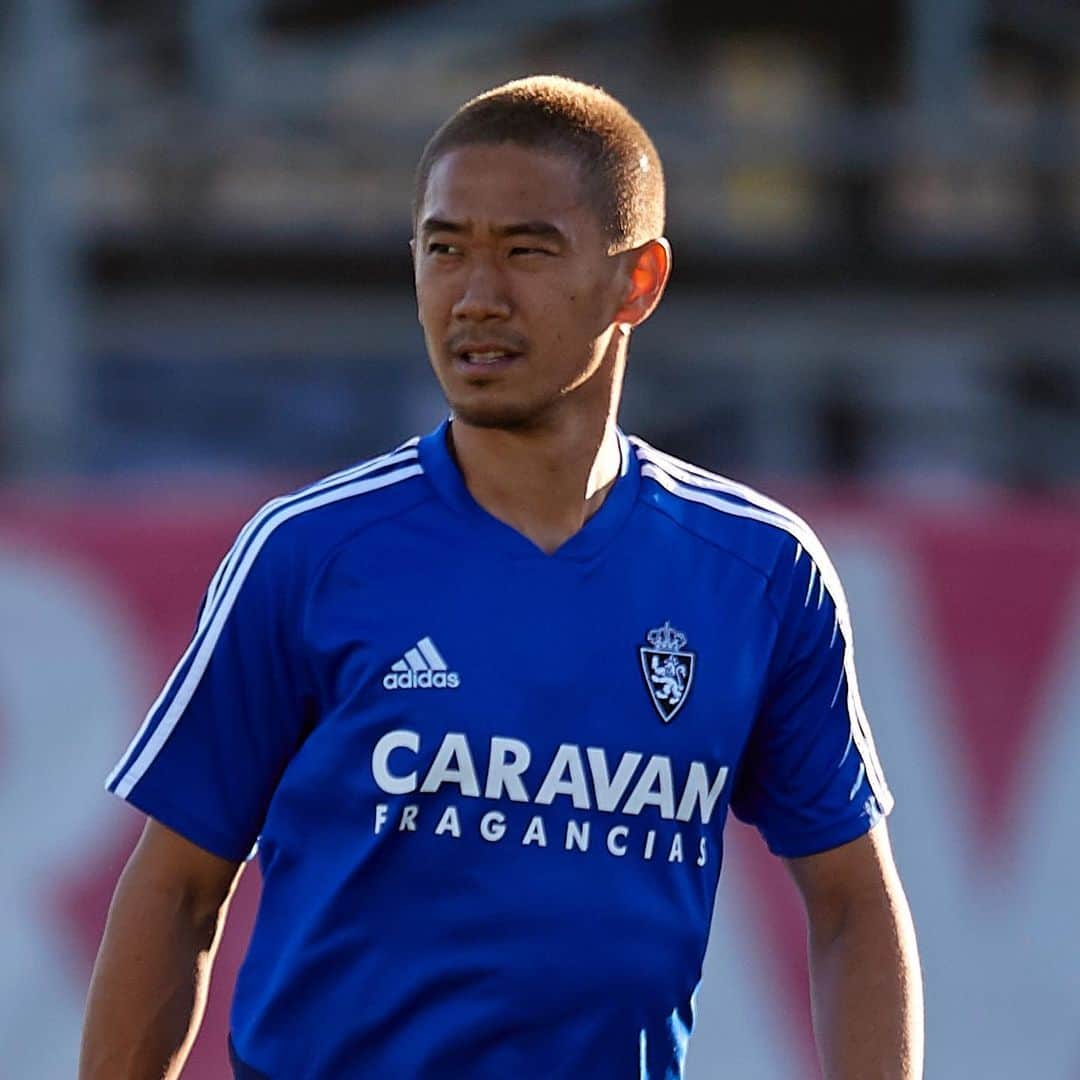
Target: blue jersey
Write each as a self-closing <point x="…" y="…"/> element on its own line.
<point x="488" y="784"/>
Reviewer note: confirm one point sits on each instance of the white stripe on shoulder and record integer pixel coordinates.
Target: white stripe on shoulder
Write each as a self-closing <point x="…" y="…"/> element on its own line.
<point x="696" y="486"/>
<point x="406" y="452"/>
<point x="699" y="477"/>
<point x="202" y="645"/>
<point x="626" y="454"/>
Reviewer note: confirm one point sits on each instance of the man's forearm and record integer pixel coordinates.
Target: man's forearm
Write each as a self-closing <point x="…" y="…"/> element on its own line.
<point x="149" y="984"/>
<point x="867" y="993"/>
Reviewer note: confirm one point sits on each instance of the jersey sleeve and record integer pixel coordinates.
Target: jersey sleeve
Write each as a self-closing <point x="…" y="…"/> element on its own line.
<point x="810" y="779"/>
<point x="212" y="748"/>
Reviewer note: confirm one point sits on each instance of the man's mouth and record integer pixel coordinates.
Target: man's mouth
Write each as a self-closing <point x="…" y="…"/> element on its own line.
<point x="486" y="357"/>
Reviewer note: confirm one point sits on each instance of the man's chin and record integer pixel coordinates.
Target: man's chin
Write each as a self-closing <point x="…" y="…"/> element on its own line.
<point x="499" y="416"/>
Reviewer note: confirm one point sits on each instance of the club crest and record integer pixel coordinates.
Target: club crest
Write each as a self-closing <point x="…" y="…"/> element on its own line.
<point x="668" y="669"/>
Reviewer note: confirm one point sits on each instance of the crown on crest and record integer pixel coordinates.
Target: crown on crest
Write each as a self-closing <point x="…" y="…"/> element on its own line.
<point x="666" y="638"/>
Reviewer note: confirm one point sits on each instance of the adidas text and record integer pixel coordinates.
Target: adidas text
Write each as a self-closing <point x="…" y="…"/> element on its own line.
<point x="423" y="680"/>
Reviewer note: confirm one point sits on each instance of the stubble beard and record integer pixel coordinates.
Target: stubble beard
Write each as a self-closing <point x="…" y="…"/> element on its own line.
<point x="503" y="416"/>
<point x="540" y="412"/>
<point x="493" y="409"/>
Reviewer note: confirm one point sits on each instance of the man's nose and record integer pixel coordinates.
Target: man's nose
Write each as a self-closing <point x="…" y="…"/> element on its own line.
<point x="484" y="295"/>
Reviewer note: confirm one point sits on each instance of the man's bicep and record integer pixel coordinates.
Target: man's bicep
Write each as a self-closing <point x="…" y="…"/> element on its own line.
<point x="165" y="861"/>
<point x="831" y="882"/>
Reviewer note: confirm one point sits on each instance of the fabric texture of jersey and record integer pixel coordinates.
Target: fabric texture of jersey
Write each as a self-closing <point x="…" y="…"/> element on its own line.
<point x="489" y="785"/>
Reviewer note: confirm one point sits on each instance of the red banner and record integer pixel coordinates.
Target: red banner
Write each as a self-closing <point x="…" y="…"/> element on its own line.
<point x="967" y="630"/>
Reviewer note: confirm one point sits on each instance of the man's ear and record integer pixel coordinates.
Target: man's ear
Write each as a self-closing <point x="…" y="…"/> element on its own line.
<point x="649" y="270"/>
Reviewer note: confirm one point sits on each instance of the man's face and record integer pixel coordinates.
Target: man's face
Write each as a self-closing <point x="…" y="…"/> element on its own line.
<point x="515" y="288"/>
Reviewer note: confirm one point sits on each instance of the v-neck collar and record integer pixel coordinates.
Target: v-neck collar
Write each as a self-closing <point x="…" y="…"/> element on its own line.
<point x="445" y="476"/>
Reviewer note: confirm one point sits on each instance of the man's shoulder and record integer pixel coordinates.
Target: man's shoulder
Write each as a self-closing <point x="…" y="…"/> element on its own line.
<point x="303" y="524"/>
<point x="731" y="515"/>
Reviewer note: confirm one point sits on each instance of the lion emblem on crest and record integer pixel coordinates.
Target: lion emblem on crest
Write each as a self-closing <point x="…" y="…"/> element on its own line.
<point x="668" y="669"/>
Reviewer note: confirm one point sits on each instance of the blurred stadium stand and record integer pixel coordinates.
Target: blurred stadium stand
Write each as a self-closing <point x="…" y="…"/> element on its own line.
<point x="875" y="213"/>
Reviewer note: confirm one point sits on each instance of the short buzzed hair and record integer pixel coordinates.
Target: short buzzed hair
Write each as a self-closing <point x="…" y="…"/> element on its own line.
<point x="619" y="164"/>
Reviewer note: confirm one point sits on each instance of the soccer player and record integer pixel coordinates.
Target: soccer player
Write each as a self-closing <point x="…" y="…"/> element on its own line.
<point x="484" y="702"/>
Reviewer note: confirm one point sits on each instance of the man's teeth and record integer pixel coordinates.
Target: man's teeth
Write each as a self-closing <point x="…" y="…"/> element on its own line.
<point x="484" y="357"/>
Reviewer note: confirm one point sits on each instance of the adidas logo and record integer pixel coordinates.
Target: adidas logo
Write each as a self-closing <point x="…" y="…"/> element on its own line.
<point x="422" y="668"/>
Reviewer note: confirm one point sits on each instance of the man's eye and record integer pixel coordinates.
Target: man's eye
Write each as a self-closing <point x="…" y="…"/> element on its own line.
<point x="530" y="251"/>
<point x="435" y="248"/>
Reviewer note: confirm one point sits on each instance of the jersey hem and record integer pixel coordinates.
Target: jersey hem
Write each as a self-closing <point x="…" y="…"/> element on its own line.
<point x="241" y="1070"/>
<point x="200" y="834"/>
<point x="833" y="835"/>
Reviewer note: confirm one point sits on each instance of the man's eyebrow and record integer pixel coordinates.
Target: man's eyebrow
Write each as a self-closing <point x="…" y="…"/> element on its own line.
<point x="530" y="228"/>
<point x="430" y="225"/>
<point x="517" y="228"/>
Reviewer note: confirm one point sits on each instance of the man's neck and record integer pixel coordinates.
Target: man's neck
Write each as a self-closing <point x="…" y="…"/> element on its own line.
<point x="545" y="482"/>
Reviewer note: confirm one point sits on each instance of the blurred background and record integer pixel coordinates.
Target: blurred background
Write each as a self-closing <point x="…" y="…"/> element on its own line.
<point x="875" y="315"/>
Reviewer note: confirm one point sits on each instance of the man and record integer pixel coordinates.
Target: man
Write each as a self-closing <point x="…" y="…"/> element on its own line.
<point x="484" y="702"/>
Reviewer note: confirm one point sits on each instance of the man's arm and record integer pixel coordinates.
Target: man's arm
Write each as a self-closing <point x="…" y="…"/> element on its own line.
<point x="148" y="989"/>
<point x="866" y="987"/>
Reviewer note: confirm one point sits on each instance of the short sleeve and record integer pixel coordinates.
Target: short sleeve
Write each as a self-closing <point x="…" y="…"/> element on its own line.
<point x="810" y="778"/>
<point x="212" y="748"/>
